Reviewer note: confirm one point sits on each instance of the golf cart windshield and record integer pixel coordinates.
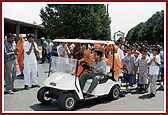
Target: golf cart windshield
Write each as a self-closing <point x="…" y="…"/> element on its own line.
<point x="68" y="65"/>
<point x="60" y="64"/>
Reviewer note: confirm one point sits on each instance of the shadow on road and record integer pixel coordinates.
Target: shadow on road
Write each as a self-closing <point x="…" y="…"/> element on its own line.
<point x="80" y="105"/>
<point x="45" y="107"/>
<point x="146" y="96"/>
<point x="90" y="103"/>
<point x="135" y="91"/>
<point x="123" y="93"/>
<point x="20" y="78"/>
<point x="160" y="89"/>
<point x="46" y="72"/>
<point x="97" y="101"/>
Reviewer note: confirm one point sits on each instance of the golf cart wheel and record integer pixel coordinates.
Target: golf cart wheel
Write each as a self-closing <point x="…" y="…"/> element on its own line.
<point x="66" y="101"/>
<point x="114" y="93"/>
<point x="43" y="96"/>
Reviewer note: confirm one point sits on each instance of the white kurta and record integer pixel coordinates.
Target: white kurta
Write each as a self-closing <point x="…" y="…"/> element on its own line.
<point x="30" y="65"/>
<point x="120" y="53"/>
<point x="153" y="68"/>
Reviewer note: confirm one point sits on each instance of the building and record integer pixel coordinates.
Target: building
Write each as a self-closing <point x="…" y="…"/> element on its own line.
<point x="119" y="35"/>
<point x="20" y="27"/>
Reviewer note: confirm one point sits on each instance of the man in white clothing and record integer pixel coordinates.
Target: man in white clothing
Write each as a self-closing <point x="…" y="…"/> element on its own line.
<point x="49" y="49"/>
<point x="30" y="62"/>
<point x="63" y="50"/>
<point x="120" y="52"/>
<point x="154" y="63"/>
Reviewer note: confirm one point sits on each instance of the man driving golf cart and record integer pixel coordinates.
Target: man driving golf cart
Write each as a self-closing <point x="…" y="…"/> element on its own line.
<point x="98" y="72"/>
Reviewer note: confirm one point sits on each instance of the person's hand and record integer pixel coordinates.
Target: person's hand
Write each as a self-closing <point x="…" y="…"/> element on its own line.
<point x="15" y="50"/>
<point x="72" y="73"/>
<point x="90" y="65"/>
<point x="154" y="58"/>
<point x="38" y="56"/>
<point x="65" y="46"/>
<point x="33" y="43"/>
<point x="88" y="71"/>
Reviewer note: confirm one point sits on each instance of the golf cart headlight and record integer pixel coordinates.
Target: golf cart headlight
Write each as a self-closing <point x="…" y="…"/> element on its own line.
<point x="53" y="84"/>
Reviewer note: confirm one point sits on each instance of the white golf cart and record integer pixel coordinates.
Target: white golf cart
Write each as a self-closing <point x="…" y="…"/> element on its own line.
<point x="64" y="87"/>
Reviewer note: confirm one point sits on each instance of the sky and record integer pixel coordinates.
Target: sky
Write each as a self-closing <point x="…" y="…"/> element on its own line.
<point x="124" y="15"/>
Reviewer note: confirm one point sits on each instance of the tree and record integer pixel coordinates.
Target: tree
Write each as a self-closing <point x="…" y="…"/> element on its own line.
<point x="152" y="30"/>
<point x="76" y="21"/>
<point x="133" y="34"/>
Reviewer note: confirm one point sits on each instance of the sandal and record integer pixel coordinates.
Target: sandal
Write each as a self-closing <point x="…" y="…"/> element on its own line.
<point x="86" y="95"/>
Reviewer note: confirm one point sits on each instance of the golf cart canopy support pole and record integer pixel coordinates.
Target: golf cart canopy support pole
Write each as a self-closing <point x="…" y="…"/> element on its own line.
<point x="77" y="67"/>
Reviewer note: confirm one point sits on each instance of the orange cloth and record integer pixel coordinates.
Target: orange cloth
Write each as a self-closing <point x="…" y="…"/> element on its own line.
<point x="20" y="35"/>
<point x="109" y="48"/>
<point x="20" y="56"/>
<point x="16" y="69"/>
<point x="87" y="52"/>
<point x="115" y="48"/>
<point x="92" y="56"/>
<point x="5" y="38"/>
<point x="80" y="68"/>
<point x="117" y="65"/>
<point x="97" y="46"/>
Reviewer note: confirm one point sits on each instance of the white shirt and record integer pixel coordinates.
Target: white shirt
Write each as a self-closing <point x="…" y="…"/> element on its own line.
<point x="153" y="68"/>
<point x="49" y="47"/>
<point x="31" y="58"/>
<point x="120" y="53"/>
<point x="44" y="45"/>
<point x="60" y="50"/>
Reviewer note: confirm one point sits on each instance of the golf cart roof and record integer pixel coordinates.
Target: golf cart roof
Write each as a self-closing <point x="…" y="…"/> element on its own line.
<point x="83" y="41"/>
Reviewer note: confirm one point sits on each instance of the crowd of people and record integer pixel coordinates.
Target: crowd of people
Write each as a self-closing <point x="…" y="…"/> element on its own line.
<point x="144" y="62"/>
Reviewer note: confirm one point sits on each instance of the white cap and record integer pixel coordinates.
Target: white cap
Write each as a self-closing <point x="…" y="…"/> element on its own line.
<point x="42" y="38"/>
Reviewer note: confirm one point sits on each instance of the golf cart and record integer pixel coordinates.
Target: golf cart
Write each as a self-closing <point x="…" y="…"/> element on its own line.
<point x="64" y="87"/>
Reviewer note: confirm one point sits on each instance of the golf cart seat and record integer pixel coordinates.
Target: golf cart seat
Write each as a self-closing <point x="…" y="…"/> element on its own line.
<point x="101" y="81"/>
<point x="104" y="78"/>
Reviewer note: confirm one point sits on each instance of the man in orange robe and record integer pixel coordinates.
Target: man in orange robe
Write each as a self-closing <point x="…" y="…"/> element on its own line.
<point x="20" y="56"/>
<point x="87" y="59"/>
<point x="117" y="63"/>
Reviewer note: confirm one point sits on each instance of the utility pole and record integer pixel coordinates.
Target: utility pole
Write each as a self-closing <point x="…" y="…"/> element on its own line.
<point x="107" y="10"/>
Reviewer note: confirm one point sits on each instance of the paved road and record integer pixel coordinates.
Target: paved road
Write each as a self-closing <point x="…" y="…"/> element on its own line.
<point x="26" y="100"/>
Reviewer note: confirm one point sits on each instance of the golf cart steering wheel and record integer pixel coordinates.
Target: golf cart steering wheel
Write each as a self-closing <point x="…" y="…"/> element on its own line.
<point x="85" y="65"/>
